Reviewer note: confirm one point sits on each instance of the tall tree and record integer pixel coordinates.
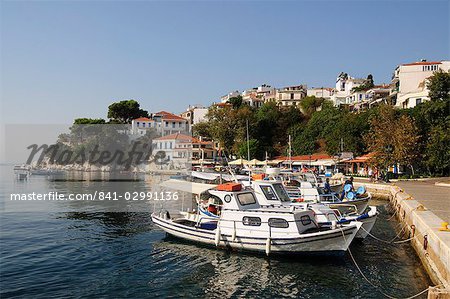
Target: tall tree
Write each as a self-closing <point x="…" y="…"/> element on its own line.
<point x="439" y="86"/>
<point x="89" y="121"/>
<point x="311" y="104"/>
<point x="392" y="139"/>
<point x="236" y="102"/>
<point x="125" y="111"/>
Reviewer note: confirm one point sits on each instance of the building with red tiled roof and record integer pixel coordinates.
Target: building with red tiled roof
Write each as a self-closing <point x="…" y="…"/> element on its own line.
<point x="409" y="84"/>
<point x="163" y="122"/>
<point x="182" y="150"/>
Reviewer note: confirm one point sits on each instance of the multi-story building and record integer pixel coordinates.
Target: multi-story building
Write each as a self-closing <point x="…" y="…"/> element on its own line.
<point x="344" y="88"/>
<point x="250" y="97"/>
<point x="182" y="150"/>
<point x="195" y="114"/>
<point x="163" y="122"/>
<point x="290" y="95"/>
<point x="409" y="83"/>
<point x="321" y="92"/>
<point x="233" y="94"/>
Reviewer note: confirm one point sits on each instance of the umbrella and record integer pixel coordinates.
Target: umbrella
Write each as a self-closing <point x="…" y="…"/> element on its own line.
<point x="238" y="162"/>
<point x="255" y="162"/>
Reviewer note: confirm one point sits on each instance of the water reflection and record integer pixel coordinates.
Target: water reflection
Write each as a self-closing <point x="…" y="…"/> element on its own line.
<point x="95" y="251"/>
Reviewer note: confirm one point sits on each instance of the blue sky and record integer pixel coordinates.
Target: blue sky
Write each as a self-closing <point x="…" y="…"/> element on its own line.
<point x="69" y="59"/>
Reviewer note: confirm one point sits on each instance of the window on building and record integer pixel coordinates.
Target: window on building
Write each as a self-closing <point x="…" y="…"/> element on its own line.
<point x="418" y="101"/>
<point x="167" y="124"/>
<point x="143" y="125"/>
<point x="292" y="96"/>
<point x="180" y="124"/>
<point x="165" y="145"/>
<point x="137" y="124"/>
<point x="173" y="124"/>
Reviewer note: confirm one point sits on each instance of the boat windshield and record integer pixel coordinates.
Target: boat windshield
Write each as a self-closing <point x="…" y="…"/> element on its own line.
<point x="269" y="192"/>
<point x="281" y="192"/>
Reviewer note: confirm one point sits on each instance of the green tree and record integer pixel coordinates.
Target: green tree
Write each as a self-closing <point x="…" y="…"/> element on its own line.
<point x="202" y="129"/>
<point x="125" y="111"/>
<point x="437" y="154"/>
<point x="392" y="138"/>
<point x="253" y="145"/>
<point x="89" y="121"/>
<point x="439" y="86"/>
<point x="311" y="104"/>
<point x="236" y="102"/>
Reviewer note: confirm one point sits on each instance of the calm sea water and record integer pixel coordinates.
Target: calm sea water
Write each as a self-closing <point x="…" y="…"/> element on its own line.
<point x="79" y="250"/>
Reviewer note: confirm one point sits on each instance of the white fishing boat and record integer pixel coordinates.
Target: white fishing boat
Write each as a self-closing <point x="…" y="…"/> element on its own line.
<point x="307" y="187"/>
<point x="242" y="224"/>
<point x="272" y="193"/>
<point x="22" y="172"/>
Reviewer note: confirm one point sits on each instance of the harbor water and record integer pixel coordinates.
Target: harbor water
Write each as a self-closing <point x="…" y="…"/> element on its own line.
<point x="80" y="250"/>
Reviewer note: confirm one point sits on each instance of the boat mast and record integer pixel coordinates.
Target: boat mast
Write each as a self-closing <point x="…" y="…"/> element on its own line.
<point x="248" y="153"/>
<point x="289" y="154"/>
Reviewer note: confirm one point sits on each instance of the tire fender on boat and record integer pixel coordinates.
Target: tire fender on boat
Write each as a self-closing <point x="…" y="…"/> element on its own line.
<point x="268" y="246"/>
<point x="217" y="239"/>
<point x="233" y="236"/>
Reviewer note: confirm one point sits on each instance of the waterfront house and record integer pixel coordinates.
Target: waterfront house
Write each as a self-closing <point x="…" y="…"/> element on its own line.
<point x="163" y="122"/>
<point x="181" y="151"/>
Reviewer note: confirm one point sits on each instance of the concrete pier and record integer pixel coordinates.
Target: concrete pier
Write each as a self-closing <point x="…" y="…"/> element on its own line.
<point x="424" y="206"/>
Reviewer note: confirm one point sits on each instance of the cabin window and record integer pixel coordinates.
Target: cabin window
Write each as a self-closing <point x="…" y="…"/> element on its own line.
<point x="227" y="198"/>
<point x="305" y="220"/>
<point x="282" y="194"/>
<point x="251" y="221"/>
<point x="246" y="199"/>
<point x="269" y="193"/>
<point x="278" y="222"/>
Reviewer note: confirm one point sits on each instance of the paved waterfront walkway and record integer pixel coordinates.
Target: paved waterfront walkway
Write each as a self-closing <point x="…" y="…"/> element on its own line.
<point x="435" y="198"/>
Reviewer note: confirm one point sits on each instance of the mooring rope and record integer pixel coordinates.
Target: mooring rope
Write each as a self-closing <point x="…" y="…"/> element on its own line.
<point x="391" y="241"/>
<point x="378" y="288"/>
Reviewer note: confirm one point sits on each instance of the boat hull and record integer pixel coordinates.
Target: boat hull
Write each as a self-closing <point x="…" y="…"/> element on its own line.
<point x="331" y="241"/>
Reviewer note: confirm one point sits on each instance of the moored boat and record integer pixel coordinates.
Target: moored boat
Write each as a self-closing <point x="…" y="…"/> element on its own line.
<point x="243" y="224"/>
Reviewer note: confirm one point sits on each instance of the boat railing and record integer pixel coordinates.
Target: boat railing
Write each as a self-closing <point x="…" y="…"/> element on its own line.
<point x="353" y="209"/>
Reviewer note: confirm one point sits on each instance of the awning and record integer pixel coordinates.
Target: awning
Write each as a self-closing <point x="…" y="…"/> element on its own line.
<point x="255" y="162"/>
<point x="205" y="175"/>
<point x="238" y="162"/>
<point x="185" y="186"/>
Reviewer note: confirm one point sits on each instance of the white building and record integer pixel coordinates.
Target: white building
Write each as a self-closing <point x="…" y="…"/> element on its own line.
<point x="320" y="92"/>
<point x="182" y="150"/>
<point x="344" y="88"/>
<point x="195" y="114"/>
<point x="163" y="122"/>
<point x="410" y="81"/>
<point x="290" y="95"/>
<point x="233" y="94"/>
<point x="177" y="149"/>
